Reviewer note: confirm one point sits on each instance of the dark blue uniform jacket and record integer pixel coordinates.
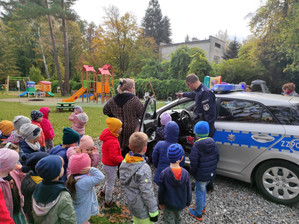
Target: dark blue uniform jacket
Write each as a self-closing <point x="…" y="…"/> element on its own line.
<point x="205" y="105"/>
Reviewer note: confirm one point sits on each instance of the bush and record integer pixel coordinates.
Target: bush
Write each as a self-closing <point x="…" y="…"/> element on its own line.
<point x="163" y="88"/>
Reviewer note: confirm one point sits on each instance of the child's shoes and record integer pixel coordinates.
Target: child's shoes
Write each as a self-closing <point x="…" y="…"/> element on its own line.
<point x="194" y="214"/>
<point x="108" y="205"/>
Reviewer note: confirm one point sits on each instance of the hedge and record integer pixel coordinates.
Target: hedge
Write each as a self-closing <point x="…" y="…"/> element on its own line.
<point x="163" y="88"/>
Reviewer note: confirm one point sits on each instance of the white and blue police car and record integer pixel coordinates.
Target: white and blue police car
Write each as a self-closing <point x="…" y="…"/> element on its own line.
<point x="257" y="135"/>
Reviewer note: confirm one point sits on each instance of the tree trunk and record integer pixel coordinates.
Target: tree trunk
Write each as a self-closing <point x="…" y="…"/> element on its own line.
<point x="43" y="53"/>
<point x="55" y="51"/>
<point x="66" y="55"/>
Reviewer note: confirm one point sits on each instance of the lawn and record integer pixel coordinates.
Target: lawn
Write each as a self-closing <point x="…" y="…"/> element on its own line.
<point x="59" y="120"/>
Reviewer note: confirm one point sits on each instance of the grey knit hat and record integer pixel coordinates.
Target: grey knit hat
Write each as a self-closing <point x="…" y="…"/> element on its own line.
<point x="30" y="131"/>
<point x="18" y="121"/>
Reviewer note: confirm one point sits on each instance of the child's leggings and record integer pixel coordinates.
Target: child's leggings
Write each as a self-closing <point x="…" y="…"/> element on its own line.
<point x="110" y="174"/>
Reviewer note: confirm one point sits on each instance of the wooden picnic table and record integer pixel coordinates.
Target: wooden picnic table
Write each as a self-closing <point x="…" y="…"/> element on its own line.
<point x="65" y="106"/>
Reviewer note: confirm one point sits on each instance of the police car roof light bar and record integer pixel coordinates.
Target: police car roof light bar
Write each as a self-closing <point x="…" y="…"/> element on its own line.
<point x="228" y="87"/>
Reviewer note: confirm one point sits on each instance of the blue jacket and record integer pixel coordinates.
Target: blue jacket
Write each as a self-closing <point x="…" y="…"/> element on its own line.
<point x="205" y="105"/>
<point x="25" y="149"/>
<point x="58" y="150"/>
<point x="204" y="157"/>
<point x="85" y="202"/>
<point x="159" y="156"/>
<point x="174" y="194"/>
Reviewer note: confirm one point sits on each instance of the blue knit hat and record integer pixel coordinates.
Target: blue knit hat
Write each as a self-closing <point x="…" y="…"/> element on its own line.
<point x="35" y="114"/>
<point x="70" y="136"/>
<point x="175" y="152"/>
<point x="201" y="129"/>
<point x="49" y="167"/>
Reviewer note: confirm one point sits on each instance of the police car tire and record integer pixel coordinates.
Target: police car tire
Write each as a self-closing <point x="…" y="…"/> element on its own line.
<point x="259" y="180"/>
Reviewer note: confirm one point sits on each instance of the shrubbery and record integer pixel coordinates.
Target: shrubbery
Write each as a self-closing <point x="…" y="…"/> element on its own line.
<point x="163" y="88"/>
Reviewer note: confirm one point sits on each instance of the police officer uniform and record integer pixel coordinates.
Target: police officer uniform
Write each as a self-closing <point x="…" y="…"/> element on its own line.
<point x="205" y="106"/>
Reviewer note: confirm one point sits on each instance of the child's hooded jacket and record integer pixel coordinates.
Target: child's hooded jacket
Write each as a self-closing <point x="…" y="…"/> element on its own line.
<point x="46" y="124"/>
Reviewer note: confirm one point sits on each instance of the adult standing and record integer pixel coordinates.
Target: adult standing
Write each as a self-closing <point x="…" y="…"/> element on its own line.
<point x="289" y="89"/>
<point x="127" y="107"/>
<point x="204" y="99"/>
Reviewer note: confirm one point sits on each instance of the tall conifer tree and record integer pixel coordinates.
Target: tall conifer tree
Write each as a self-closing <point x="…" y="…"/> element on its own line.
<point x="155" y="25"/>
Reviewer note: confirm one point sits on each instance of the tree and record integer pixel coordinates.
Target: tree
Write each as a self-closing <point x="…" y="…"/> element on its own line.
<point x="275" y="25"/>
<point x="233" y="49"/>
<point x="199" y="64"/>
<point x="155" y="25"/>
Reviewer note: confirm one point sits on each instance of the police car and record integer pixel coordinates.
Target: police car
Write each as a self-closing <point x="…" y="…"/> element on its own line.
<point x="257" y="135"/>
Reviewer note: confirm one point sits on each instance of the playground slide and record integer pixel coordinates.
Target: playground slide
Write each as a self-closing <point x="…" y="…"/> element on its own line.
<point x="75" y="96"/>
<point x="50" y="94"/>
<point x="24" y="93"/>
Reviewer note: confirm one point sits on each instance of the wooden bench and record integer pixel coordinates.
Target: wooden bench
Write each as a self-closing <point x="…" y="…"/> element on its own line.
<point x="65" y="106"/>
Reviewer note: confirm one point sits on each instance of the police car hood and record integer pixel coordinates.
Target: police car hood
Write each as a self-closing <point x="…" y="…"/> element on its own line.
<point x="171" y="132"/>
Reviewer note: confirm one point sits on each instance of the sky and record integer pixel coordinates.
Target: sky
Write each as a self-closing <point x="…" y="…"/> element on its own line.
<point x="196" y="18"/>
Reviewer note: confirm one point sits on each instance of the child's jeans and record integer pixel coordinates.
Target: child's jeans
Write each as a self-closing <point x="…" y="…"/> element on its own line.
<point x="200" y="193"/>
<point x="110" y="173"/>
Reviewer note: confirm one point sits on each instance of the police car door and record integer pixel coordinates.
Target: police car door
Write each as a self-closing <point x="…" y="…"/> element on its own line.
<point x="244" y="130"/>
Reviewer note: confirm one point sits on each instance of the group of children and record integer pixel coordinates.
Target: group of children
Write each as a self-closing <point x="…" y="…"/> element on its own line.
<point x="56" y="184"/>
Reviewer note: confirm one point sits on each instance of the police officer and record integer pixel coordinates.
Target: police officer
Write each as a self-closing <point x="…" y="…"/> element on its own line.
<point x="204" y="99"/>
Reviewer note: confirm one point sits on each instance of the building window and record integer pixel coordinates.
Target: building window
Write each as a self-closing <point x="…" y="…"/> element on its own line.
<point x="217" y="45"/>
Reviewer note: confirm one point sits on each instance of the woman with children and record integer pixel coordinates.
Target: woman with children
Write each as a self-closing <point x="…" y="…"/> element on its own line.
<point x="43" y="183"/>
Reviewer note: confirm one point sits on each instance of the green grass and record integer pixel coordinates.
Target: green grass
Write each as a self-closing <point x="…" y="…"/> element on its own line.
<point x="59" y="120"/>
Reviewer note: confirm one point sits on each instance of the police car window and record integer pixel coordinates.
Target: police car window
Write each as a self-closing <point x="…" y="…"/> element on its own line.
<point x="186" y="105"/>
<point x="286" y="115"/>
<point x="239" y="110"/>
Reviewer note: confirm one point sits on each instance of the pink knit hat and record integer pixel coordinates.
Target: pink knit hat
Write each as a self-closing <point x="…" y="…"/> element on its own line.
<point x="8" y="159"/>
<point x="78" y="162"/>
<point x="86" y="142"/>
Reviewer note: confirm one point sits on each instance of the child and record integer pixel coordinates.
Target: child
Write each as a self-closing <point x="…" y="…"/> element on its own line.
<point x="30" y="181"/>
<point x="4" y="213"/>
<point x="159" y="156"/>
<point x="31" y="134"/>
<point x="47" y="128"/>
<point x="164" y="118"/>
<point x="135" y="176"/>
<point x="86" y="146"/>
<point x="16" y="136"/>
<point x="37" y="118"/>
<point x="204" y="157"/>
<point x="79" y="119"/>
<point x="81" y="183"/>
<point x="174" y="186"/>
<point x="69" y="139"/>
<point x="51" y="201"/>
<point x="111" y="157"/>
<point x="10" y="183"/>
<point x="6" y="128"/>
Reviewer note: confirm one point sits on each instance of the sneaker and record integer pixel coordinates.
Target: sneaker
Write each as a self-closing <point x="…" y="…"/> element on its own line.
<point x="194" y="214"/>
<point x="204" y="210"/>
<point x="108" y="205"/>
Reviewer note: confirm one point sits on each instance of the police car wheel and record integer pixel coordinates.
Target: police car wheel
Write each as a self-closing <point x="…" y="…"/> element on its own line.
<point x="278" y="181"/>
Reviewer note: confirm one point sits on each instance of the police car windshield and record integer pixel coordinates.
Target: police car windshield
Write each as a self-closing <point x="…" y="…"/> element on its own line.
<point x="286" y="115"/>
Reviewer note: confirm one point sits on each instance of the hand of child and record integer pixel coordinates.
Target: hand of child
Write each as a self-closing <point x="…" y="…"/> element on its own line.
<point x="162" y="207"/>
<point x="18" y="167"/>
<point x="85" y="170"/>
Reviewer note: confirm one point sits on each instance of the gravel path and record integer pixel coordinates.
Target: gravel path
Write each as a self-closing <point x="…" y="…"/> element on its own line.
<point x="231" y="201"/>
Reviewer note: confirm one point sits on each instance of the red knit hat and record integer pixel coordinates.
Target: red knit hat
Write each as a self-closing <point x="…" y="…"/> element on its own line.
<point x="78" y="162"/>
